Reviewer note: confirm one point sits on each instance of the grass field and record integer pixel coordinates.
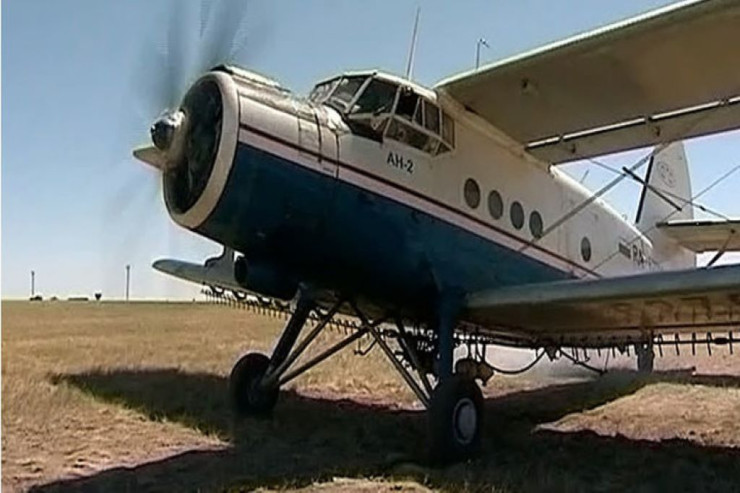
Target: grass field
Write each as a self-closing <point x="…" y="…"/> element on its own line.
<point x="116" y="397"/>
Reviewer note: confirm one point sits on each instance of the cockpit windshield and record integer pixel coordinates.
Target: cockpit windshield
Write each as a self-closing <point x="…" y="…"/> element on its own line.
<point x="365" y="101"/>
<point x="337" y="93"/>
<point x="376" y="99"/>
<point x="321" y="91"/>
<point x="377" y="95"/>
<point x="374" y="107"/>
<point x="345" y="92"/>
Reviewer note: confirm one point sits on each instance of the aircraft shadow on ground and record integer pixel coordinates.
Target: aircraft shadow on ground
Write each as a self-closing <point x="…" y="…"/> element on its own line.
<point x="312" y="439"/>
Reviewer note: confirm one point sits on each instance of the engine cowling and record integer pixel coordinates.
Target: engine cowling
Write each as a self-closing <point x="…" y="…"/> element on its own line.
<point x="193" y="184"/>
<point x="238" y="180"/>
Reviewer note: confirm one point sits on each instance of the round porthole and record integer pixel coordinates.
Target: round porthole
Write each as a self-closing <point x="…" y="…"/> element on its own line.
<point x="472" y="193"/>
<point x="535" y="224"/>
<point x="586" y="249"/>
<point x="517" y="215"/>
<point x="495" y="205"/>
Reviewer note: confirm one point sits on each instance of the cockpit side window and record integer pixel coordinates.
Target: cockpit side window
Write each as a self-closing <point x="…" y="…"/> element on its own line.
<point x="431" y="117"/>
<point x="420" y="123"/>
<point x="403" y="132"/>
<point x="448" y="129"/>
<point x="407" y="102"/>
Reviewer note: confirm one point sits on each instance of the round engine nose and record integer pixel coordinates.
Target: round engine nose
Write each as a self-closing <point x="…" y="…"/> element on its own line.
<point x="201" y="149"/>
<point x="188" y="175"/>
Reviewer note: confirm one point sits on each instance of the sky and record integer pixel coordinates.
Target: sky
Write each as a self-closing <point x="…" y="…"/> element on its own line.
<point x="76" y="208"/>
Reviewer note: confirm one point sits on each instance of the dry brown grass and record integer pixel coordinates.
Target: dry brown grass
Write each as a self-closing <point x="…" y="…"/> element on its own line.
<point x="106" y="397"/>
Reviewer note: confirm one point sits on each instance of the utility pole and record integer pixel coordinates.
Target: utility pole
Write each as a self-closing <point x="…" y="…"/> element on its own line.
<point x="33" y="284"/>
<point x="481" y="41"/>
<point x="128" y="280"/>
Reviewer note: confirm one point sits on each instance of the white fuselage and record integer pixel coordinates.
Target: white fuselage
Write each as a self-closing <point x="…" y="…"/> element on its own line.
<point x="499" y="164"/>
<point x="303" y="193"/>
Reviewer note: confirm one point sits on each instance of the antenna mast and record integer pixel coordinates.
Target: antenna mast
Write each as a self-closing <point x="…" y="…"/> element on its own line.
<point x="412" y="49"/>
<point x="481" y="41"/>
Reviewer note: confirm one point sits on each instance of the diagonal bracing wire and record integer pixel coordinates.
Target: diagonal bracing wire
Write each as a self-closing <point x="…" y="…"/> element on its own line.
<point x="668" y="193"/>
<point x="716" y="182"/>
<point x="622" y="175"/>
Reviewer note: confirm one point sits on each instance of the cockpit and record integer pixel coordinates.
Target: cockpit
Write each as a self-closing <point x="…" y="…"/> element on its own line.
<point x="375" y="106"/>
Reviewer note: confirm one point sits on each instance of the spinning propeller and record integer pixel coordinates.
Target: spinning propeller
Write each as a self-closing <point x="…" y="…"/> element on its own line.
<point x="197" y="39"/>
<point x="187" y="38"/>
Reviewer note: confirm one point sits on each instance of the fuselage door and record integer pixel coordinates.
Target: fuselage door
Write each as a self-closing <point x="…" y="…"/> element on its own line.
<point x="316" y="143"/>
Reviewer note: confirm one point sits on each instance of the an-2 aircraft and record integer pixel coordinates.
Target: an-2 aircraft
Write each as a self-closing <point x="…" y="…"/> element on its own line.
<point x="439" y="218"/>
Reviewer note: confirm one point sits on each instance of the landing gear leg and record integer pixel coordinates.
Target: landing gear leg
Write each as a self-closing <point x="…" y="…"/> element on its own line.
<point x="455" y="404"/>
<point x="251" y="393"/>
<point x="455" y="412"/>
<point x="645" y="357"/>
<point x="256" y="379"/>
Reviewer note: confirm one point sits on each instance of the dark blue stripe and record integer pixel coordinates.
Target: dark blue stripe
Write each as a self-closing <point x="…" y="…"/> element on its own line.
<point x="340" y="235"/>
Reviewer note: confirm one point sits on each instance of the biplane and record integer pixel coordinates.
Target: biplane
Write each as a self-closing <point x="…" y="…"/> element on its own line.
<point x="439" y="217"/>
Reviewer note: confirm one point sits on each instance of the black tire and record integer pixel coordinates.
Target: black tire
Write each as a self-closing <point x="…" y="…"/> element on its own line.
<point x="455" y="419"/>
<point x="248" y="398"/>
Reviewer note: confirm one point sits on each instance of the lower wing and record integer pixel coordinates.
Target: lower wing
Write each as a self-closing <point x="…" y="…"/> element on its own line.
<point x="606" y="312"/>
<point x="215" y="275"/>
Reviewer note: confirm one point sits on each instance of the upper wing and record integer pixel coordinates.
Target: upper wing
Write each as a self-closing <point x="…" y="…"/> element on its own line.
<point x="667" y="75"/>
<point x="703" y="236"/>
<point x="608" y="311"/>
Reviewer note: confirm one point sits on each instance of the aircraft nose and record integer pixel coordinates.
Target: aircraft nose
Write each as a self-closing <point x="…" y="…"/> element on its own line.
<point x="163" y="130"/>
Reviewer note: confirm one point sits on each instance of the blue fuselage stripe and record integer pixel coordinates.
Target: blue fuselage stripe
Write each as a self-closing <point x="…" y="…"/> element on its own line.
<point x="339" y="235"/>
<point x="419" y="195"/>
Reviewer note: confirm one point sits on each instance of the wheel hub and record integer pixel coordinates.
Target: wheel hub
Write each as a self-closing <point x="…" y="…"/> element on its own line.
<point x="465" y="421"/>
<point x="256" y="394"/>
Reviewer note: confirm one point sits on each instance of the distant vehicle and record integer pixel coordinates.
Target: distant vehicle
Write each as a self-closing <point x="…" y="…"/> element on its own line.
<point x="36" y="297"/>
<point x="439" y="217"/>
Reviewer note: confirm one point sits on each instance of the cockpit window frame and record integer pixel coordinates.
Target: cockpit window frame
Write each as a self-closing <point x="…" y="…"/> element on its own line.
<point x="328" y="101"/>
<point x="370" y="124"/>
<point x="436" y="144"/>
<point x="361" y="92"/>
<point x="440" y="138"/>
<point x="333" y="82"/>
<point x="427" y="114"/>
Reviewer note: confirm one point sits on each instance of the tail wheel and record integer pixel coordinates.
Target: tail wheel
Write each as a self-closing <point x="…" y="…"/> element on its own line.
<point x="248" y="396"/>
<point x="455" y="417"/>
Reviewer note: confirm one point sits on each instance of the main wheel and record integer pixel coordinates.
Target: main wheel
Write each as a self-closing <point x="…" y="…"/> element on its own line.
<point x="455" y="416"/>
<point x="248" y="397"/>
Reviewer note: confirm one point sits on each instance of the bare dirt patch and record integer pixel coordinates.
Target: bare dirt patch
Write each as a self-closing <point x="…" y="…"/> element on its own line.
<point x="107" y="397"/>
